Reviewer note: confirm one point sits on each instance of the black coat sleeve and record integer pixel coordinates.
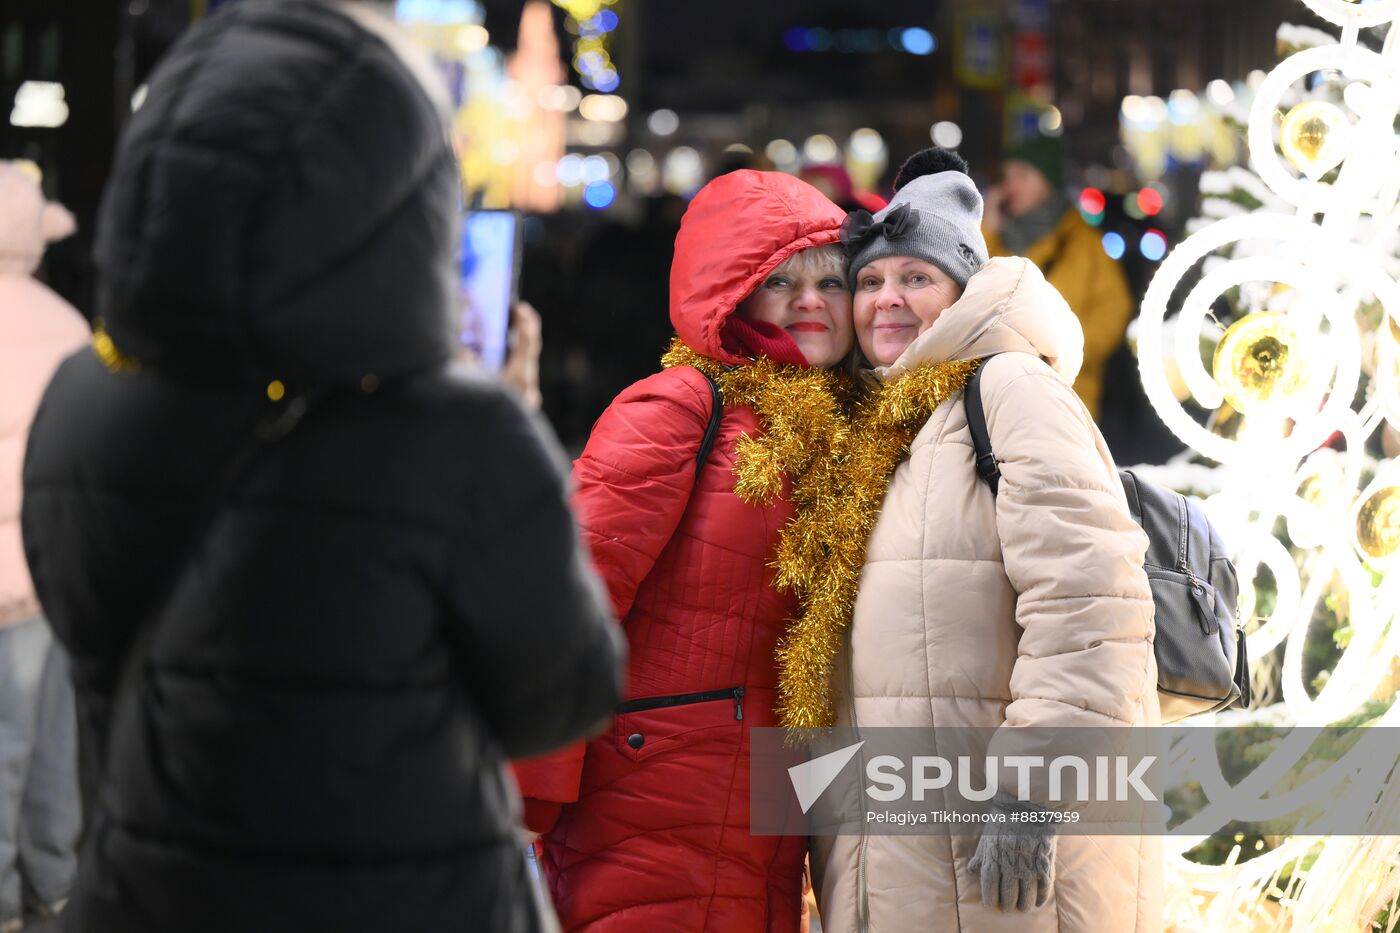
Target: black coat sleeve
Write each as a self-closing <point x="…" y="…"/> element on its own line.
<point x="111" y="505"/>
<point x="529" y="619"/>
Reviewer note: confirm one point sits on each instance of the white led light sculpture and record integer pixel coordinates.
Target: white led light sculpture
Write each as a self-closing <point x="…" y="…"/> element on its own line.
<point x="1325" y="240"/>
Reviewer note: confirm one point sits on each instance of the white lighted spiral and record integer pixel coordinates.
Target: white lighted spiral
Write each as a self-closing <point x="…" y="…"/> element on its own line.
<point x="1329" y="243"/>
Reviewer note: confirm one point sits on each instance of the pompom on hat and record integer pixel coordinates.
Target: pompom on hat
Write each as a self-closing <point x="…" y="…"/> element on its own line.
<point x="935" y="215"/>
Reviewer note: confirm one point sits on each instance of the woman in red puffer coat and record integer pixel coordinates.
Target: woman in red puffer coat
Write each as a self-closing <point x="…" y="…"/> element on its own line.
<point x="647" y="828"/>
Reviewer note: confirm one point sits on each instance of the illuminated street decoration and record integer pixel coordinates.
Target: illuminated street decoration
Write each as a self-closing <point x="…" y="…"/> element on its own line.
<point x="593" y="22"/>
<point x="1315" y="136"/>
<point x="1310" y="364"/>
<point x="1260" y="361"/>
<point x="540" y="98"/>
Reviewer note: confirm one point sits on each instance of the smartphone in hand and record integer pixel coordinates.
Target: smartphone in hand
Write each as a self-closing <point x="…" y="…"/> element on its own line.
<point x="488" y="282"/>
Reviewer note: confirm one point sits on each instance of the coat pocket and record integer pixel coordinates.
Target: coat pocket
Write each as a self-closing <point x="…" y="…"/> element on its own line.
<point x="648" y="726"/>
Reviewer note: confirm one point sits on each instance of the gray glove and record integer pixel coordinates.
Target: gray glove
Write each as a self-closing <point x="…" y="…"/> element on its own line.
<point x="1016" y="861"/>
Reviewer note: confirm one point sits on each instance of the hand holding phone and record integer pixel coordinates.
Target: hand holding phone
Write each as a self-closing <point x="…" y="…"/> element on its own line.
<point x="522" y="369"/>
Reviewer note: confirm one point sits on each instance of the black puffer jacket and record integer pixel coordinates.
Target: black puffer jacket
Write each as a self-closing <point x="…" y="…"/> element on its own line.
<point x="354" y="615"/>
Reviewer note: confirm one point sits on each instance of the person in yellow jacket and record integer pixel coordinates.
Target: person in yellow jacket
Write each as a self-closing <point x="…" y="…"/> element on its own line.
<point x="1028" y="215"/>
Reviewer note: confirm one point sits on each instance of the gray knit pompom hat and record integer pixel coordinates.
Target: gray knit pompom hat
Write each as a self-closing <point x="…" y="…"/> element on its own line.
<point x="935" y="215"/>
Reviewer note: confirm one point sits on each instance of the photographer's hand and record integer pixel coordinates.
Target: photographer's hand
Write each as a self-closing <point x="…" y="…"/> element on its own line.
<point x="522" y="369"/>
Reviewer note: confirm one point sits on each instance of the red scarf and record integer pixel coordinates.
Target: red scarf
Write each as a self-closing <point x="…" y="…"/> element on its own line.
<point x="743" y="337"/>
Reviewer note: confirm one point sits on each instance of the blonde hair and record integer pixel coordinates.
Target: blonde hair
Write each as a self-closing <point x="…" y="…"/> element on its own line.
<point x="823" y="260"/>
<point x="819" y="260"/>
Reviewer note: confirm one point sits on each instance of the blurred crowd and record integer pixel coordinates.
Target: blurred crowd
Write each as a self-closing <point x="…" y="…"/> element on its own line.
<point x="600" y="284"/>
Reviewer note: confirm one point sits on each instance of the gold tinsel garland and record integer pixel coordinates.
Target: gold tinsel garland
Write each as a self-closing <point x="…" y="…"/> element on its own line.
<point x="107" y="351"/>
<point x="822" y="550"/>
<point x="800" y="409"/>
<point x="839" y="462"/>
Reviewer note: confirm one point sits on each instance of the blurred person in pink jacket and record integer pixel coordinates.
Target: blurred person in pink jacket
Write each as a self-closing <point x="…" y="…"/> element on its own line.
<point x="39" y="807"/>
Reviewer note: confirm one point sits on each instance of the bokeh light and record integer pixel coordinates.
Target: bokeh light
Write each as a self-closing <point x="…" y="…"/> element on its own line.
<point x="595" y="170"/>
<point x="604" y="108"/>
<point x="663" y="122"/>
<point x="917" y="41"/>
<point x="782" y="153"/>
<point x="599" y="195"/>
<point x="1149" y="201"/>
<point x="1153" y="245"/>
<point x="820" y="148"/>
<point x="570" y="170"/>
<point x="947" y="134"/>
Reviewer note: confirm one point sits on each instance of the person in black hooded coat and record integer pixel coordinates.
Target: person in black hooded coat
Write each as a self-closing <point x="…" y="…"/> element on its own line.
<point x="317" y="582"/>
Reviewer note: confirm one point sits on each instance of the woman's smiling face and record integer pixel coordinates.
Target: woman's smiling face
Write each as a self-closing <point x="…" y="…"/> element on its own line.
<point x="807" y="297"/>
<point x="897" y="299"/>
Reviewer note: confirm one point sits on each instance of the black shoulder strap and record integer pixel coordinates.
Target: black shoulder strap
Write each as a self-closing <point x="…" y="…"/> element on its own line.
<point x="712" y="429"/>
<point x="987" y="469"/>
<point x="254" y="439"/>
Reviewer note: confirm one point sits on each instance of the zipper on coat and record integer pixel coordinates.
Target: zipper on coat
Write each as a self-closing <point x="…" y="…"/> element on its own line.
<point x="862" y="896"/>
<point x="685" y="699"/>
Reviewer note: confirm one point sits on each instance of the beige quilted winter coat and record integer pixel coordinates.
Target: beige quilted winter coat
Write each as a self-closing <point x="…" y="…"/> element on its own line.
<point x="1027" y="609"/>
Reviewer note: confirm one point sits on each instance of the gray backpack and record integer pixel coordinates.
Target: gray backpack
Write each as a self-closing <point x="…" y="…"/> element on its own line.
<point x="1200" y="642"/>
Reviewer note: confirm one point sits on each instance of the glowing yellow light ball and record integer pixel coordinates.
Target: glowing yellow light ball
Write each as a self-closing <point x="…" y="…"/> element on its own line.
<point x="1259" y="362"/>
<point x="1324" y="479"/>
<point x="1313" y="490"/>
<point x="1315" y="137"/>
<point x="1378" y="523"/>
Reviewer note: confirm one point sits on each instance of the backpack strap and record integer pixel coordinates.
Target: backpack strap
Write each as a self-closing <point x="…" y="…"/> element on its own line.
<point x="707" y="443"/>
<point x="264" y="431"/>
<point x="986" y="464"/>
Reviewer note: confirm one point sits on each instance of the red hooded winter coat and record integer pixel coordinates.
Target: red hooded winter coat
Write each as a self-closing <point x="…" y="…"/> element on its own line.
<point x="654" y="831"/>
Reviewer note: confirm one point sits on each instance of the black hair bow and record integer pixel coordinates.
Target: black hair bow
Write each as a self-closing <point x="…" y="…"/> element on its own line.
<point x="860" y="227"/>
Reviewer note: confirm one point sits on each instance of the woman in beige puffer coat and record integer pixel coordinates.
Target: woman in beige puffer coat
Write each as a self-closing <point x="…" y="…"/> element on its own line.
<point x="1025" y="609"/>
